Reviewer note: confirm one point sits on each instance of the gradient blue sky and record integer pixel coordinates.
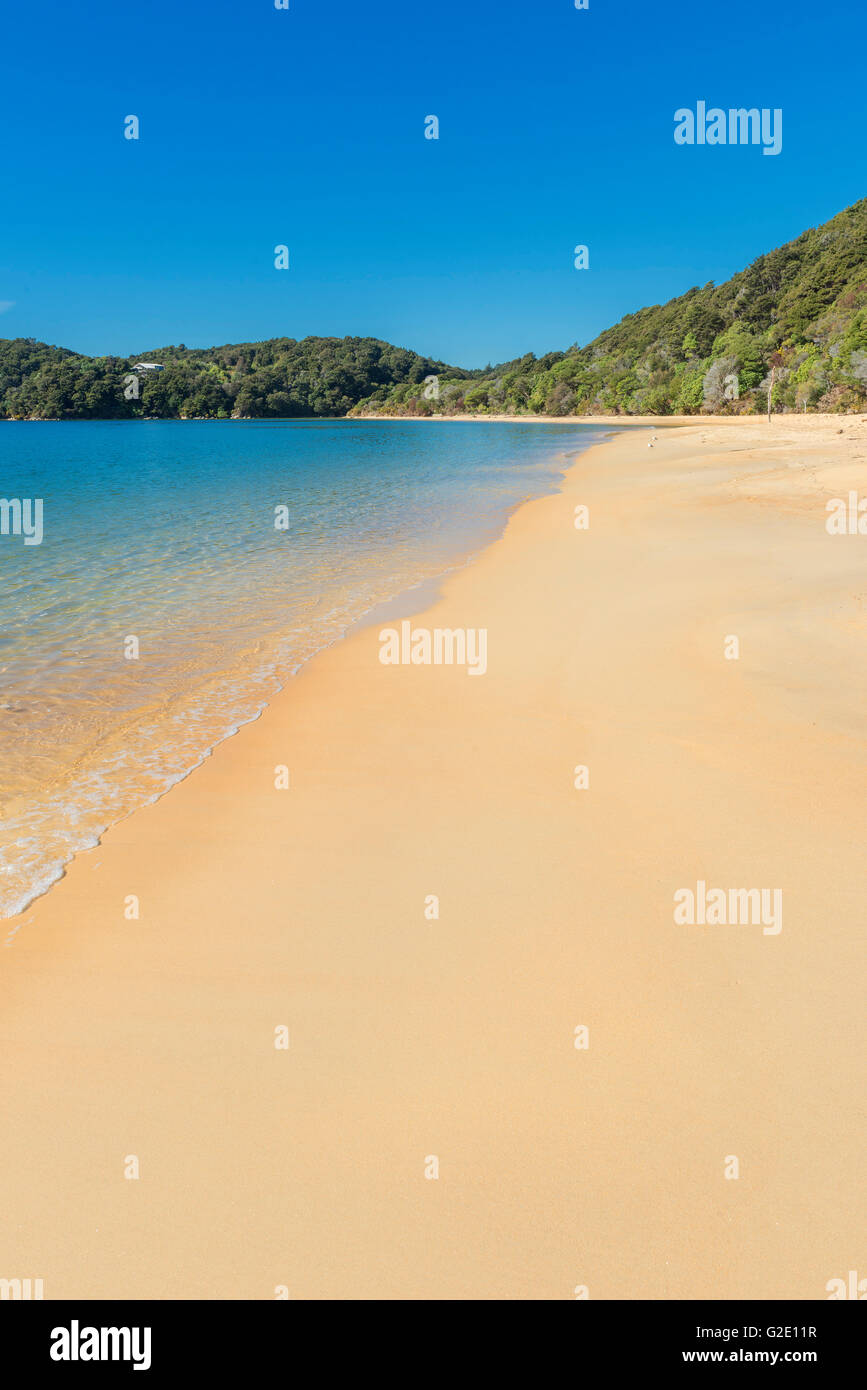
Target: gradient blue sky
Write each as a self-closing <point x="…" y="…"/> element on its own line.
<point x="306" y="127"/>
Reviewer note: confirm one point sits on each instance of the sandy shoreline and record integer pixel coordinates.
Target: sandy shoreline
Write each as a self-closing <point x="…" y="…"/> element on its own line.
<point x="412" y="1037"/>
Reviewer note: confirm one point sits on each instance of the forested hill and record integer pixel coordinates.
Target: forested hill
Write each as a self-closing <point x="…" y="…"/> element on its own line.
<point x="800" y="311"/>
<point x="279" y="378"/>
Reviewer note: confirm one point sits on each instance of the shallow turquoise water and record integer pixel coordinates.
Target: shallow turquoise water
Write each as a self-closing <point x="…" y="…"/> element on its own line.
<point x="164" y="531"/>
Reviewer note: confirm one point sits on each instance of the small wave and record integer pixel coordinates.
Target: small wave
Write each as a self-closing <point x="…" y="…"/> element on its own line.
<point x="127" y="757"/>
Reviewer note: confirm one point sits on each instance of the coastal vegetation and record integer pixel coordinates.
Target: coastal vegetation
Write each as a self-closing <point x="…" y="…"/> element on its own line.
<point x="280" y="378"/>
<point x="792" y="326"/>
<point x="798" y="314"/>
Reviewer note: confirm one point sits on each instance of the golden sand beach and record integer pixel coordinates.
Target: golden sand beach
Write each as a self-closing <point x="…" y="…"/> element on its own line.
<point x="415" y="1037"/>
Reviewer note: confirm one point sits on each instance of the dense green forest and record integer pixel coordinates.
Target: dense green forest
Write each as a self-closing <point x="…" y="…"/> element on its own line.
<point x="281" y="378"/>
<point x="799" y="312"/>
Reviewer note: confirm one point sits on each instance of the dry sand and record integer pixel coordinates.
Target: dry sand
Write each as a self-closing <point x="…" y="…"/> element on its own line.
<point x="454" y="1037"/>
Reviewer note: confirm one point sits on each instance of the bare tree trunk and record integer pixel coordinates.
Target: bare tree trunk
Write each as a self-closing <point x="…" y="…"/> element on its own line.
<point x="771" y="392"/>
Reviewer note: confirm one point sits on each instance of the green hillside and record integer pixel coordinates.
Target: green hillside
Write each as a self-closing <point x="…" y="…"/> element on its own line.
<point x="279" y="378"/>
<point x="801" y="310"/>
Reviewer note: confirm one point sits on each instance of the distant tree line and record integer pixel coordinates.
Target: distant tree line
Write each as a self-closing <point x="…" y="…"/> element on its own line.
<point x="794" y="324"/>
<point x="280" y="378"/>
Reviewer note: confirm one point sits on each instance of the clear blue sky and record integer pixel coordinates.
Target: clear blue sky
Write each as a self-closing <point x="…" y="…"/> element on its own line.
<point x="306" y="127"/>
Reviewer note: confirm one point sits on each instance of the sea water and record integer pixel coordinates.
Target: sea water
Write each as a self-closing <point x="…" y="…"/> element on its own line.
<point x="187" y="569"/>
